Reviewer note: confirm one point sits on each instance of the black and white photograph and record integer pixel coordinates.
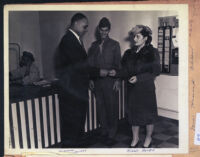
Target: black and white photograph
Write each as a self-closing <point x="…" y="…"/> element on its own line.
<point x="96" y="79"/>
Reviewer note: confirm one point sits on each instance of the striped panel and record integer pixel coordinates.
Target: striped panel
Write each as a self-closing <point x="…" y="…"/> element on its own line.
<point x="90" y="111"/>
<point x="86" y="124"/>
<point x="46" y="140"/>
<point x="27" y="124"/>
<point x="88" y="114"/>
<point x="15" y="125"/>
<point x="37" y="112"/>
<point x="54" y="118"/>
<point x="120" y="105"/>
<point x="12" y="140"/>
<point x="23" y="124"/>
<point x="51" y="120"/>
<point x="95" y="112"/>
<point x="41" y="122"/>
<point x="123" y="98"/>
<point x="31" y="130"/>
<point x="48" y="121"/>
<point x="57" y="118"/>
<point x="36" y="123"/>
<point x="19" y="125"/>
<point x="91" y="116"/>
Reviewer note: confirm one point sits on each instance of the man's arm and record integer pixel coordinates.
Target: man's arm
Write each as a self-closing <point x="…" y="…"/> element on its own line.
<point x="34" y="75"/>
<point x="76" y="63"/>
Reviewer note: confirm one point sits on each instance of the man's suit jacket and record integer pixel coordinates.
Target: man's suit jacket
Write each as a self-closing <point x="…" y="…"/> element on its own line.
<point x="73" y="67"/>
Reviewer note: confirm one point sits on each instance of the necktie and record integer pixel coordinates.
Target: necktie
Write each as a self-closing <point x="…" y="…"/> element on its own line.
<point x="82" y="44"/>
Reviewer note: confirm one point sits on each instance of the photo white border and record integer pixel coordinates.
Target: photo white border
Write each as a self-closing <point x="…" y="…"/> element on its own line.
<point x="181" y="9"/>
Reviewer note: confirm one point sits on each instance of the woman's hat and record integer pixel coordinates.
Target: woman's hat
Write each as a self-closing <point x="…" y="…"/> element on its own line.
<point x="138" y="28"/>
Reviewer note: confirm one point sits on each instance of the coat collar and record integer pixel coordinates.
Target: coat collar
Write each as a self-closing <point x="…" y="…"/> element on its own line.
<point x="105" y="40"/>
<point x="143" y="50"/>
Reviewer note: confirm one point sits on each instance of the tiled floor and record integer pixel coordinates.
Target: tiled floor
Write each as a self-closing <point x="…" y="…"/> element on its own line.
<point x="165" y="135"/>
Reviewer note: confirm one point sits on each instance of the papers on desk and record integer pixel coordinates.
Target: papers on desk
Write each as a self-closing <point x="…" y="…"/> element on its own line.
<point x="43" y="83"/>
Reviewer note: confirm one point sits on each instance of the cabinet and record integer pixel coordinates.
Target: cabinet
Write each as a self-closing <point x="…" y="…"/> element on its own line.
<point x="167" y="96"/>
<point x="167" y="45"/>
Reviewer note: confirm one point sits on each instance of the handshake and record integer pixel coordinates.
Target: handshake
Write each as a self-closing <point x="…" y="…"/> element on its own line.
<point x="112" y="73"/>
<point x="104" y="73"/>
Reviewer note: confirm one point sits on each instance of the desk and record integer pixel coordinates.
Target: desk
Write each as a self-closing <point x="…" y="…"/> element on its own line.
<point x="167" y="96"/>
<point x="35" y="119"/>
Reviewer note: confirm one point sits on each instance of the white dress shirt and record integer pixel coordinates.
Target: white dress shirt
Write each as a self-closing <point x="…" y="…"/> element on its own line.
<point x="76" y="35"/>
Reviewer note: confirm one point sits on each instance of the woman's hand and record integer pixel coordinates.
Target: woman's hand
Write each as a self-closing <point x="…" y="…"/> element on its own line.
<point x="112" y="73"/>
<point x="133" y="79"/>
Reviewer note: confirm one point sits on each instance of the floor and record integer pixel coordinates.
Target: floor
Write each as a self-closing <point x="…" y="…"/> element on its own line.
<point x="165" y="135"/>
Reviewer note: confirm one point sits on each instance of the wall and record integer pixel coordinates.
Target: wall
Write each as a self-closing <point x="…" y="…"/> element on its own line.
<point x="24" y="29"/>
<point x="41" y="32"/>
<point x="53" y="26"/>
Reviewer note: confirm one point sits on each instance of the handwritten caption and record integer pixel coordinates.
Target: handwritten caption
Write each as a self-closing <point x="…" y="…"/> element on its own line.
<point x="197" y="130"/>
<point x="144" y="150"/>
<point x="73" y="151"/>
<point x="129" y="150"/>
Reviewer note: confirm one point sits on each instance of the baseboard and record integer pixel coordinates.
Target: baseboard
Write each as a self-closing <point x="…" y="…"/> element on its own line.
<point x="168" y="113"/>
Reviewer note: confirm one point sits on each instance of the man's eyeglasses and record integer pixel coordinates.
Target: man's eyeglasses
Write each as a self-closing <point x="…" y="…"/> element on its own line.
<point x="85" y="27"/>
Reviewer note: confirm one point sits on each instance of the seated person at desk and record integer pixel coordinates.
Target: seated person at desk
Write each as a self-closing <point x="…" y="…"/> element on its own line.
<point x="28" y="71"/>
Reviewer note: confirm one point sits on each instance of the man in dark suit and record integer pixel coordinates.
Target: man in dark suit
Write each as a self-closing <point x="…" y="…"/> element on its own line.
<point x="74" y="71"/>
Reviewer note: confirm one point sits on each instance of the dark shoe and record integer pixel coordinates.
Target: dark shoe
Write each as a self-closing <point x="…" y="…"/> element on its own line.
<point x="149" y="146"/>
<point x="104" y="135"/>
<point x="112" y="133"/>
<point x="82" y="144"/>
<point x="68" y="144"/>
<point x="135" y="146"/>
<point x="110" y="141"/>
<point x="102" y="138"/>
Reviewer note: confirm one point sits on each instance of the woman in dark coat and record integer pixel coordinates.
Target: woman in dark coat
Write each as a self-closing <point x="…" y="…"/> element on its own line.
<point x="141" y="65"/>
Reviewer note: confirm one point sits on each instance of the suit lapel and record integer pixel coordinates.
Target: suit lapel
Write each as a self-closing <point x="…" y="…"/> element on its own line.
<point x="77" y="43"/>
